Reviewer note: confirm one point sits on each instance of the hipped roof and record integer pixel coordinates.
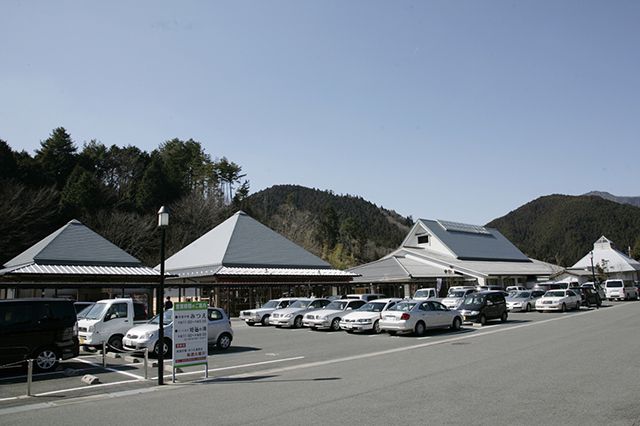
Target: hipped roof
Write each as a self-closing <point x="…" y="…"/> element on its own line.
<point x="242" y="242"/>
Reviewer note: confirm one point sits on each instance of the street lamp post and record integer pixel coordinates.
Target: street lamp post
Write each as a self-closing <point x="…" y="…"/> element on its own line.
<point x="593" y="272"/>
<point x="163" y="222"/>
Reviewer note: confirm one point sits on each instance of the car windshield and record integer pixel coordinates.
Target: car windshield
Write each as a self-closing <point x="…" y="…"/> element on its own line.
<point x="84" y="311"/>
<point x="271" y="304"/>
<point x="614" y="284"/>
<point x="338" y="305"/>
<point x="372" y="307"/>
<point x="473" y="300"/>
<point x="521" y="295"/>
<point x="457" y="293"/>
<point x="96" y="311"/>
<point x="554" y="293"/>
<point x="422" y="293"/>
<point x="300" y="304"/>
<point x="168" y="318"/>
<point x="403" y="306"/>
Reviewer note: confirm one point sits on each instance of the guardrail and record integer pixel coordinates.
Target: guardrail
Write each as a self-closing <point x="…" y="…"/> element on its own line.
<point x="29" y="371"/>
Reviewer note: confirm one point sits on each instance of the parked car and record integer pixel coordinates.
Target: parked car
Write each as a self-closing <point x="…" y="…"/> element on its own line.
<point x="597" y="287"/>
<point x="489" y="288"/>
<point x="425" y="294"/>
<point x="523" y="300"/>
<point x="511" y="288"/>
<point x="484" y="306"/>
<point x="366" y="296"/>
<point x="558" y="300"/>
<point x="590" y="297"/>
<point x="43" y="329"/>
<point x="460" y="287"/>
<point x="292" y="315"/>
<point x="417" y="316"/>
<point x="82" y="313"/>
<point x="261" y="315"/>
<point x="367" y="317"/>
<point x="138" y="338"/>
<point x="619" y="289"/>
<point x="330" y="316"/>
<point x="109" y="320"/>
<point x="546" y="286"/>
<point x="455" y="298"/>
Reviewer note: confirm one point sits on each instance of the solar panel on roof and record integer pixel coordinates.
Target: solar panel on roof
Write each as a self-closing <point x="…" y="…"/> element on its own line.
<point x="463" y="227"/>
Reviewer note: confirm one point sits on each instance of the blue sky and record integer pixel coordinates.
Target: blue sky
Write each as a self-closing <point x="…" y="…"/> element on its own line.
<point x="458" y="110"/>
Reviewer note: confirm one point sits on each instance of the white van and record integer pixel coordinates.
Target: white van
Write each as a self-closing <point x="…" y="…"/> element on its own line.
<point x="425" y="294"/>
<point x="108" y="321"/>
<point x="619" y="289"/>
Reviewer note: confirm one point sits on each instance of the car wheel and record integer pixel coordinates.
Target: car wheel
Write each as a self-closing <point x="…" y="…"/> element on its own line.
<point x="265" y="321"/>
<point x="482" y="320"/>
<point x="503" y="317"/>
<point x="376" y="327"/>
<point x="563" y="308"/>
<point x="224" y="341"/>
<point x="166" y="348"/>
<point x="297" y="323"/>
<point x="528" y="308"/>
<point x="335" y="324"/>
<point x="420" y="328"/>
<point x="115" y="343"/>
<point x="251" y="324"/>
<point x="457" y="323"/>
<point x="45" y="359"/>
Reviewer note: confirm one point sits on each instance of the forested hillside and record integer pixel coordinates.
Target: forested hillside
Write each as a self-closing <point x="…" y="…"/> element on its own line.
<point x="561" y="228"/>
<point x="116" y="191"/>
<point x="343" y="229"/>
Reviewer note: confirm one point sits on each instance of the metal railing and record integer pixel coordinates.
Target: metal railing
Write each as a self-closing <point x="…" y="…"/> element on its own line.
<point x="29" y="371"/>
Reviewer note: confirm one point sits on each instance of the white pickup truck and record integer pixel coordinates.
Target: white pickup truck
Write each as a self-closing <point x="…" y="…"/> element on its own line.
<point x="109" y="320"/>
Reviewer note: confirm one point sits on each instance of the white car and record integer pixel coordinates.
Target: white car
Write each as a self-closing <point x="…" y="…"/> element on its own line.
<point x="523" y="300"/>
<point x="261" y="315"/>
<point x="455" y="297"/>
<point x="146" y="336"/>
<point x="558" y="300"/>
<point x="619" y="289"/>
<point x="425" y="294"/>
<point x="292" y="315"/>
<point x="417" y="316"/>
<point x="367" y="317"/>
<point x="515" y="288"/>
<point x="330" y="316"/>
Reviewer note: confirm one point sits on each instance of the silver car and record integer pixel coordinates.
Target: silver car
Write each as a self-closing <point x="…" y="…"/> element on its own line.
<point x="455" y="297"/>
<point x="417" y="315"/>
<point x="330" y="316"/>
<point x="292" y="315"/>
<point x="261" y="315"/>
<point x="523" y="300"/>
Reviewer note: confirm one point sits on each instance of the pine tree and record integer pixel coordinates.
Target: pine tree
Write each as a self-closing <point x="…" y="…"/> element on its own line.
<point x="57" y="157"/>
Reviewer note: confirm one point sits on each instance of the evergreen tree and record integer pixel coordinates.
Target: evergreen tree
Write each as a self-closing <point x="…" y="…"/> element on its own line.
<point x="8" y="163"/>
<point x="81" y="193"/>
<point x="155" y="188"/>
<point x="57" y="157"/>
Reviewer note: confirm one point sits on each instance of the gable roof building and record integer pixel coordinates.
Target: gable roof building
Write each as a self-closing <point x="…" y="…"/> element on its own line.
<point x="605" y="259"/>
<point x="437" y="251"/>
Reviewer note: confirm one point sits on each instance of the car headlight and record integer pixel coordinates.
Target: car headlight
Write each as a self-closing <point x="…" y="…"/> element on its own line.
<point x="149" y="334"/>
<point x="364" y="320"/>
<point x="287" y="315"/>
<point x="91" y="329"/>
<point x="473" y="312"/>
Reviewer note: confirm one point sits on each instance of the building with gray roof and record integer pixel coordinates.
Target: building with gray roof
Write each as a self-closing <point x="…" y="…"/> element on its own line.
<point x="438" y="253"/>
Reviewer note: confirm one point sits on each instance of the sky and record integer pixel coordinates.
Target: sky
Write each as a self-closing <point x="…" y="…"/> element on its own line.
<point x="455" y="110"/>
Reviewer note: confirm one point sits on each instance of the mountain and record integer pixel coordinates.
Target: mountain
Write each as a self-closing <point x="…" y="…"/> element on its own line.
<point x="343" y="229"/>
<point x="632" y="201"/>
<point x="561" y="228"/>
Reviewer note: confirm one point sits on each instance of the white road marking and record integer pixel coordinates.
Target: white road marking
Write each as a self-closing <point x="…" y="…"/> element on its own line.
<point x="113" y="370"/>
<point x="233" y="367"/>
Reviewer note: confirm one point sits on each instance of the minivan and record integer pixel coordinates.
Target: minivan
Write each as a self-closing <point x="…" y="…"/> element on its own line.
<point x="619" y="289"/>
<point x="483" y="306"/>
<point x="42" y="329"/>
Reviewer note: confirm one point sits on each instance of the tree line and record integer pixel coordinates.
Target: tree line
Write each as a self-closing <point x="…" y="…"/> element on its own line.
<point x="116" y="191"/>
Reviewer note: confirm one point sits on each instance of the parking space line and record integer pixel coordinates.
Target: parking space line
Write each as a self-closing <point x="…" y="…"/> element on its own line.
<point x="113" y="370"/>
<point x="232" y="367"/>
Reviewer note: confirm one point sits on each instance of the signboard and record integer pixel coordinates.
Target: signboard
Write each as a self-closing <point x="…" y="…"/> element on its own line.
<point x="190" y="342"/>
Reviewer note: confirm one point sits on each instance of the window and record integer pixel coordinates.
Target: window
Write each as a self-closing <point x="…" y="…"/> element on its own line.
<point x="423" y="239"/>
<point x="139" y="312"/>
<point x="214" y="315"/>
<point x="117" y="310"/>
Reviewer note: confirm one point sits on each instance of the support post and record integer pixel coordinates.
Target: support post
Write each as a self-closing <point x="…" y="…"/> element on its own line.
<point x="29" y="375"/>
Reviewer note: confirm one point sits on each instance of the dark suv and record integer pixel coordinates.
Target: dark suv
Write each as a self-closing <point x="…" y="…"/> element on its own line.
<point x="483" y="306"/>
<point x="44" y="330"/>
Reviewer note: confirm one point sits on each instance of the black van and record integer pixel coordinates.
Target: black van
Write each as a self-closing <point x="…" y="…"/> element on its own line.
<point x="483" y="306"/>
<point x="45" y="330"/>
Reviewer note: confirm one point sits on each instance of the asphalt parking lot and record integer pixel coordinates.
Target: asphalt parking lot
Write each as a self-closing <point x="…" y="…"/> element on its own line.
<point x="253" y="349"/>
